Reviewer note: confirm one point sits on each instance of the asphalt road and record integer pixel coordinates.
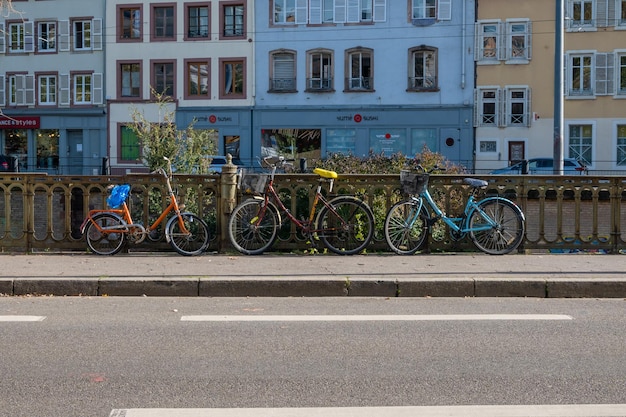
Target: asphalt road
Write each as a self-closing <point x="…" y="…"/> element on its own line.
<point x="87" y="356"/>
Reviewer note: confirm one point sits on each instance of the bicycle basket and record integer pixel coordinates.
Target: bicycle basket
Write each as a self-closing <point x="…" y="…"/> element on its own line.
<point x="413" y="182"/>
<point x="253" y="183"/>
<point x="118" y="195"/>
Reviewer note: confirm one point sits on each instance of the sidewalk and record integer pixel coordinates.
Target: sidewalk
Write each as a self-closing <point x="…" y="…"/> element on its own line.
<point x="280" y="275"/>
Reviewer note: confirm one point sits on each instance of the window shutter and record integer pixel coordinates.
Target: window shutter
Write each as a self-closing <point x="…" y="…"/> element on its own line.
<point x="527" y="107"/>
<point x="29" y="90"/>
<point x="29" y="37"/>
<point x="301" y="12"/>
<point x="380" y="11"/>
<point x="3" y="45"/>
<point x="64" y="35"/>
<point x="604" y="74"/>
<point x="353" y="11"/>
<point x="566" y="69"/>
<point x="315" y="12"/>
<point x="478" y="41"/>
<point x="602" y="18"/>
<point x="3" y="96"/>
<point x="64" y="90"/>
<point x="96" y="34"/>
<point x="97" y="95"/>
<point x="444" y="10"/>
<point x="529" y="40"/>
<point x="501" y="41"/>
<point x="477" y="107"/>
<point x="20" y="89"/>
<point x="340" y="11"/>
<point x="501" y="106"/>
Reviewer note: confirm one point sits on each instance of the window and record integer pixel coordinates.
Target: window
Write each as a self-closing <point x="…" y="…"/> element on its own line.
<point x="488" y="146"/>
<point x="232" y="77"/>
<point x="581" y="142"/>
<point x="319" y="70"/>
<point x="581" y="13"/>
<point x="283" y="71"/>
<point x="82" y="88"/>
<point x="130" y="149"/>
<point x="130" y="24"/>
<point x="233" y="20"/>
<point x="518" y="40"/>
<point x="424" y="9"/>
<point x="197" y="78"/>
<point x="47" y="142"/>
<point x="423" y="70"/>
<point x="21" y="90"/>
<point x="580" y="75"/>
<point x="621" y="13"/>
<point x="130" y="80"/>
<point x="622" y="74"/>
<point x="21" y="39"/>
<point x="621" y="145"/>
<point x="517" y="105"/>
<point x="285" y="11"/>
<point x="163" y="22"/>
<point x="488" y="42"/>
<point x="82" y="34"/>
<point x="163" y="78"/>
<point x="47" y="90"/>
<point x="198" y="21"/>
<point x="487" y="105"/>
<point x="359" y="70"/>
<point x="46" y="37"/>
<point x="328" y="11"/>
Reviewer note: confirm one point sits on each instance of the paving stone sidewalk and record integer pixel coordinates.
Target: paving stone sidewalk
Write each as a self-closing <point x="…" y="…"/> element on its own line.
<point x="280" y="275"/>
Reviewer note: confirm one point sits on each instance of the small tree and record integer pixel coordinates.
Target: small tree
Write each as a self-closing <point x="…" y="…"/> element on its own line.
<point x="185" y="148"/>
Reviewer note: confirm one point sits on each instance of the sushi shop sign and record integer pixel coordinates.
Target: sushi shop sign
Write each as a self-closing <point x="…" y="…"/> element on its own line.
<point x="19" y="122"/>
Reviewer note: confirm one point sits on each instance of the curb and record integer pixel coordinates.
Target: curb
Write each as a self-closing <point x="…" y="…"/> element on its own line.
<point x="242" y="286"/>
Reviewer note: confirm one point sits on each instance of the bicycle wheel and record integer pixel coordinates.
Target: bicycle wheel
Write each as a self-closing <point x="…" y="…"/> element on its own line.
<point x="405" y="228"/>
<point x="347" y="229"/>
<point x="102" y="242"/>
<point x="252" y="229"/>
<point x="508" y="232"/>
<point x="193" y="243"/>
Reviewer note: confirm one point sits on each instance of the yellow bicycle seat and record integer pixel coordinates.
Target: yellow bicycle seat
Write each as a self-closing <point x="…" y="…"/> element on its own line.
<point x="325" y="173"/>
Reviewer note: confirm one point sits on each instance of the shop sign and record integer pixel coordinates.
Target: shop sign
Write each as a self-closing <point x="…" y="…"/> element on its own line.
<point x="357" y="118"/>
<point x="213" y="118"/>
<point x="20" y="122"/>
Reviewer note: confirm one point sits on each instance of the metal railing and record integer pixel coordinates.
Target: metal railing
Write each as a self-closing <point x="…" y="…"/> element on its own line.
<point x="563" y="213"/>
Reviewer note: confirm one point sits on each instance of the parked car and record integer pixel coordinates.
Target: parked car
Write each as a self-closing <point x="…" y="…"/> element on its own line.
<point x="8" y="163"/>
<point x="542" y="166"/>
<point x="216" y="164"/>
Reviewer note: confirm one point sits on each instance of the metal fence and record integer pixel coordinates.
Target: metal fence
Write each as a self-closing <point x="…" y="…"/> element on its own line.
<point x="40" y="212"/>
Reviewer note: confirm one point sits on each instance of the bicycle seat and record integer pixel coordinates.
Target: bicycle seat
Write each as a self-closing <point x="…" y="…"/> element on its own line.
<point x="325" y="173"/>
<point x="475" y="183"/>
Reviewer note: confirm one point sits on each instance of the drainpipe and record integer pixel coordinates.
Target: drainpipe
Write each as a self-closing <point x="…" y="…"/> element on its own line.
<point x="463" y="45"/>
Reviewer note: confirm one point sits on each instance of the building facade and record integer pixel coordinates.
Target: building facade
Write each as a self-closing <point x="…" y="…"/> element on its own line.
<point x="514" y="95"/>
<point x="52" y="86"/>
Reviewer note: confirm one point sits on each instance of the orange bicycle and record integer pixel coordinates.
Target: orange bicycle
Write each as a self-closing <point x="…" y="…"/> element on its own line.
<point x="106" y="231"/>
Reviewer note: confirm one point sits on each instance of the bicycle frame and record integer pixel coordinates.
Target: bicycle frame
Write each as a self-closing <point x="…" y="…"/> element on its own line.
<point x="457" y="224"/>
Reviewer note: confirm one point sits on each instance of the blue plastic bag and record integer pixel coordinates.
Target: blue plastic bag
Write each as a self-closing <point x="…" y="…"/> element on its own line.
<point x="118" y="195"/>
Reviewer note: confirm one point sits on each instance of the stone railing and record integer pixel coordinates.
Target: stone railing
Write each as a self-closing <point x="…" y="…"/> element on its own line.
<point x="40" y="212"/>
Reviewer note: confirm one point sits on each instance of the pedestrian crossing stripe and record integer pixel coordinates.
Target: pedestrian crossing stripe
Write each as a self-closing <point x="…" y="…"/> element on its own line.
<point x="7" y="318"/>
<point x="571" y="410"/>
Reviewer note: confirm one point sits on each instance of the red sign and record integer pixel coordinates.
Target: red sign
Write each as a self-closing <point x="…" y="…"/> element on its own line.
<point x="212" y="118"/>
<point x="358" y="118"/>
<point x="20" y="122"/>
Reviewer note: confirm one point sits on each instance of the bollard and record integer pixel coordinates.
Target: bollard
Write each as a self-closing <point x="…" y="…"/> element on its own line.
<point x="228" y="185"/>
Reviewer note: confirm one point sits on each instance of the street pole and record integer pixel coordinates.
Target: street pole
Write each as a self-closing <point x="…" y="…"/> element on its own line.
<point x="558" y="89"/>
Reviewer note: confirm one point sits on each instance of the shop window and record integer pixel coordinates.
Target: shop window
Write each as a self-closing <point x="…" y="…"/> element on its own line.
<point x="424" y="138"/>
<point x="16" y="144"/>
<point x="388" y="141"/>
<point x="291" y="143"/>
<point x="232" y="145"/>
<point x="47" y="142"/>
<point x="341" y="141"/>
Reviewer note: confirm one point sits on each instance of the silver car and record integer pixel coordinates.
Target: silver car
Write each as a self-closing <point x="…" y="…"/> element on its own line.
<point x="542" y="166"/>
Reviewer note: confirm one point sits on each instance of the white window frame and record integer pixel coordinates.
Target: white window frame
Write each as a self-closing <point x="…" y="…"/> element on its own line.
<point x="481" y="38"/>
<point x="86" y="41"/>
<point x="325" y="81"/>
<point x="488" y="140"/>
<point x="568" y="153"/>
<point x="518" y="119"/>
<point x="430" y="81"/>
<point x="22" y="90"/>
<point x="95" y="93"/>
<point x="620" y="72"/>
<point x="581" y="24"/>
<point x="43" y="44"/>
<point x="94" y="35"/>
<point x="617" y="145"/>
<point x="359" y="82"/>
<point x="480" y="100"/>
<point x="424" y="9"/>
<point x="512" y="53"/>
<point x="346" y="11"/>
<point x="51" y="94"/>
<point x="26" y="37"/>
<point x="620" y="23"/>
<point x="582" y="91"/>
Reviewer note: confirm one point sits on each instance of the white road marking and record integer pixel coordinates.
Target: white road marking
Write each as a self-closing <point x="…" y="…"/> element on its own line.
<point x="573" y="410"/>
<point x="22" y="318"/>
<point x="436" y="317"/>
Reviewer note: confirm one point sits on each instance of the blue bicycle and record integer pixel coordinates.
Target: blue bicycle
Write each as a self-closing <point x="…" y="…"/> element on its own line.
<point x="494" y="224"/>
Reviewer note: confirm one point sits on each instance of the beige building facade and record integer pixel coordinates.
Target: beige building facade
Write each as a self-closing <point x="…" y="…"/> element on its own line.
<point x="514" y="94"/>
